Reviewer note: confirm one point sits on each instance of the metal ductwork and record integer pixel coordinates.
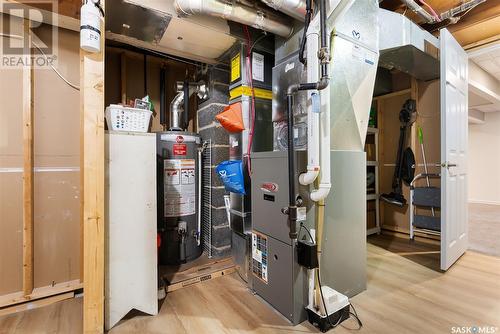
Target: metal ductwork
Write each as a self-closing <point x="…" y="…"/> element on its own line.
<point x="175" y="111"/>
<point x="407" y="47"/>
<point x="293" y="8"/>
<point x="259" y="18"/>
<point x="415" y="7"/>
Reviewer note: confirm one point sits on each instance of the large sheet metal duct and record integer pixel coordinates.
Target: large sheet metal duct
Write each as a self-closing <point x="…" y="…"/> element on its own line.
<point x="259" y="18"/>
<point x="354" y="50"/>
<point x="407" y="47"/>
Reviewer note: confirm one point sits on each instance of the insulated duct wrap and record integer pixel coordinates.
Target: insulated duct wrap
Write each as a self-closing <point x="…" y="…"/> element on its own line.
<point x="293" y="8"/>
<point x="259" y="18"/>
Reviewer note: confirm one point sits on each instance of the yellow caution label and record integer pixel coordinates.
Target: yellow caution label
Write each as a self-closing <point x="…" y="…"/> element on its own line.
<point x="247" y="91"/>
<point x="235" y="68"/>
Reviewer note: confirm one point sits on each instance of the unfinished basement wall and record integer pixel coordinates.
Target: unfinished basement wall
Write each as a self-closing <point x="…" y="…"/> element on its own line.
<point x="11" y="176"/>
<point x="210" y="129"/>
<point x="56" y="179"/>
<point x="125" y="77"/>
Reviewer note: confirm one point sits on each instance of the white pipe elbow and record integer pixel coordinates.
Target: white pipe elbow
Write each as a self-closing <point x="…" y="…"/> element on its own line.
<point x="309" y="176"/>
<point x="321" y="193"/>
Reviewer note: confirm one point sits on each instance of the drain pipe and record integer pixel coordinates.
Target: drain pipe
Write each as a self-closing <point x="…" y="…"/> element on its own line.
<point x="313" y="108"/>
<point x="325" y="185"/>
<point x="322" y="83"/>
<point x="416" y="8"/>
<point x="259" y="18"/>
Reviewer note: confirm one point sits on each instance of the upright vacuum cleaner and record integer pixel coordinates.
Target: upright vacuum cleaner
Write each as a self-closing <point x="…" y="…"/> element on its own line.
<point x="405" y="161"/>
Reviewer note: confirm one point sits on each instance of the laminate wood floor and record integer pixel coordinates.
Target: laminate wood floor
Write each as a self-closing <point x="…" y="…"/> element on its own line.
<point x="484" y="228"/>
<point x="405" y="295"/>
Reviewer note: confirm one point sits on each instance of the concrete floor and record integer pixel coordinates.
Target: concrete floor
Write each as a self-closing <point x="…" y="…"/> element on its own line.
<point x="484" y="228"/>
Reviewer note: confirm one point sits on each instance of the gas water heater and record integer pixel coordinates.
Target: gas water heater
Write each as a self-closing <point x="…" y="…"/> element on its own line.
<point x="179" y="181"/>
<point x="178" y="178"/>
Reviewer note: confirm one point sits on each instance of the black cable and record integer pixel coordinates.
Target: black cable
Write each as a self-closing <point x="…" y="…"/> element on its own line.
<point x="355" y="315"/>
<point x="264" y="34"/>
<point x="308" y="232"/>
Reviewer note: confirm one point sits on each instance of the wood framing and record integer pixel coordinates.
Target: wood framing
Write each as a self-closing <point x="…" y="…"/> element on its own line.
<point x="92" y="132"/>
<point x="36" y="303"/>
<point x="66" y="18"/>
<point x="123" y="77"/>
<point x="38" y="293"/>
<point x="28" y="280"/>
<point x="198" y="273"/>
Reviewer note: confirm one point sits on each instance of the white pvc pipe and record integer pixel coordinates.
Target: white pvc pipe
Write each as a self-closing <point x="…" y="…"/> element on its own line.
<point x="324" y="134"/>
<point x="313" y="167"/>
<point x="259" y="18"/>
<point x="337" y="9"/>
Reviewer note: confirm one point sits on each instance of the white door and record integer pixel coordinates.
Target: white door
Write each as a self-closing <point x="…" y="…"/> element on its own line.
<point x="454" y="129"/>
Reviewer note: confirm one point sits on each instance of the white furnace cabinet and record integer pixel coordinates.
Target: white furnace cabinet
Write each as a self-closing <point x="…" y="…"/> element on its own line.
<point x="131" y="254"/>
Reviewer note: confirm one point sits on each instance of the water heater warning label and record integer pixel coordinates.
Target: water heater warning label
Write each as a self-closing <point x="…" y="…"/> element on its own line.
<point x="180" y="149"/>
<point x="259" y="256"/>
<point x="179" y="178"/>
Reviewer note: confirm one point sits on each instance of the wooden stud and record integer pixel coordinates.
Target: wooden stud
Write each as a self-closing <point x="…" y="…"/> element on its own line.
<point x="482" y="43"/>
<point x="28" y="280"/>
<point x="36" y="304"/>
<point x="38" y="293"/>
<point x="200" y="279"/>
<point x="380" y="156"/>
<point x="414" y="96"/>
<point x="392" y="94"/>
<point x="92" y="132"/>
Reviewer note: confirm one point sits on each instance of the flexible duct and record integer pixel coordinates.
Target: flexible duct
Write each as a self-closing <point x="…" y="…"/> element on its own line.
<point x="293" y="8"/>
<point x="256" y="17"/>
<point x="415" y="7"/>
<point x="175" y="111"/>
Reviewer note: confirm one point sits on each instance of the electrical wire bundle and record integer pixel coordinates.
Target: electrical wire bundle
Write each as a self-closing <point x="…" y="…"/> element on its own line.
<point x="249" y="73"/>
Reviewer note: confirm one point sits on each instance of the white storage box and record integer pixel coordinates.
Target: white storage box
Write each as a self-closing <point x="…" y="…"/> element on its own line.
<point x="120" y="118"/>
